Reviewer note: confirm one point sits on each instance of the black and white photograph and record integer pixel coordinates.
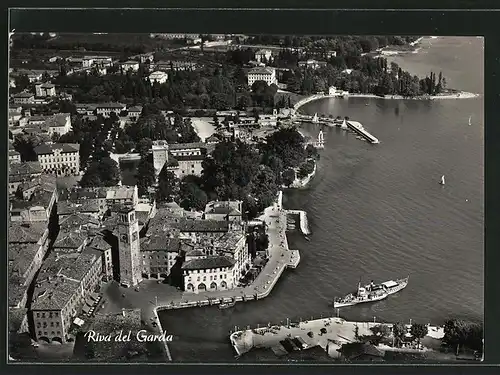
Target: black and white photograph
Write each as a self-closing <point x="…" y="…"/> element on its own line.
<point x="245" y="198"/>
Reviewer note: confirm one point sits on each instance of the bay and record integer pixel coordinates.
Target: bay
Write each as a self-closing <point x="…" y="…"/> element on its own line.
<point x="378" y="212"/>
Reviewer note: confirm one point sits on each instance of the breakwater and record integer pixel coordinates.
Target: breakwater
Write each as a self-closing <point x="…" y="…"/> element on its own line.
<point x="304" y="224"/>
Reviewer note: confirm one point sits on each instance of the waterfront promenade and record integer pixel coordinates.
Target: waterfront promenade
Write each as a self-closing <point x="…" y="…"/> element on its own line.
<point x="152" y="297"/>
<point x="329" y="333"/>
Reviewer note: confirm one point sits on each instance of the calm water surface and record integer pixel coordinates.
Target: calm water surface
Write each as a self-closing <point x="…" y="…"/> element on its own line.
<point x="378" y="212"/>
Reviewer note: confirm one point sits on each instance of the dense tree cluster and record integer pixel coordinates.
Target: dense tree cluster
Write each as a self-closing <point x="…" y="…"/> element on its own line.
<point x="363" y="74"/>
<point x="459" y="333"/>
<point x="168" y="186"/>
<point x="236" y="170"/>
<point x="102" y="172"/>
<point x="131" y="44"/>
<point x="218" y="88"/>
<point x="332" y="43"/>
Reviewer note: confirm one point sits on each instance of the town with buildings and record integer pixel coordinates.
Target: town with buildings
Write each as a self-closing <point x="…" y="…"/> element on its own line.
<point x="214" y="140"/>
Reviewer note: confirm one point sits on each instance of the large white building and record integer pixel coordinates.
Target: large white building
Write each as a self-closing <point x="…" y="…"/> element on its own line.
<point x="265" y="74"/>
<point x="59" y="123"/>
<point x="130" y="65"/>
<point x="189" y="158"/>
<point x="107" y="108"/>
<point x="24" y="98"/>
<point x="160" y="77"/>
<point x="119" y="195"/>
<point x="209" y="273"/>
<point x="43" y="90"/>
<point x="263" y="54"/>
<point x="59" y="158"/>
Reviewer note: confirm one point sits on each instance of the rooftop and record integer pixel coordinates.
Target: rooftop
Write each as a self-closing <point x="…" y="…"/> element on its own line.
<point x="136" y="108"/>
<point x="54" y="294"/>
<point x="57" y="120"/>
<point x="78" y="219"/>
<point x="179" y="158"/>
<point x="186" y="146"/>
<point x="80" y="206"/>
<point x="160" y="243"/>
<point x="121" y="192"/>
<point x="228" y="242"/>
<point x="70" y="239"/>
<point x="26" y="232"/>
<point x="47" y="148"/>
<point x="99" y="243"/>
<point x="110" y="105"/>
<point x="209" y="262"/>
<point x="78" y="193"/>
<point x="261" y="70"/>
<point x="24" y="95"/>
<point x="189" y="225"/>
<point x="21" y="255"/>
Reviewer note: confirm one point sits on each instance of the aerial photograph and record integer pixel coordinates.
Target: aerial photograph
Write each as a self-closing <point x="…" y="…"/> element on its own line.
<point x="234" y="198"/>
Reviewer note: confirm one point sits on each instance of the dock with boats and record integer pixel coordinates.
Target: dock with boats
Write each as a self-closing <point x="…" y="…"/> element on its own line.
<point x="344" y="124"/>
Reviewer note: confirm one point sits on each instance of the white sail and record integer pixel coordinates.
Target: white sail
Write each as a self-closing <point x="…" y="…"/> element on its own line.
<point x="442" y="180"/>
<point x="470" y="120"/>
<point x="315" y="118"/>
<point x="320" y="136"/>
<point x="344" y="124"/>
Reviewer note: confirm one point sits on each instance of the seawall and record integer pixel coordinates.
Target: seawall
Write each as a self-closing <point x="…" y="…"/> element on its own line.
<point x="304" y="224"/>
<point x="330" y="333"/>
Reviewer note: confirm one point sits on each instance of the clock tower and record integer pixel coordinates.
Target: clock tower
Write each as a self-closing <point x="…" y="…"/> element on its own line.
<point x="128" y="247"/>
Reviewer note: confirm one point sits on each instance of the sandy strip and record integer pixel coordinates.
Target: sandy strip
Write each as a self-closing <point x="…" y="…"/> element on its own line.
<point x="203" y="127"/>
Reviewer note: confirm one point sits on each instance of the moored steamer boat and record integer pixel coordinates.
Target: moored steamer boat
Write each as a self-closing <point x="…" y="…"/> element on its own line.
<point x="371" y="293"/>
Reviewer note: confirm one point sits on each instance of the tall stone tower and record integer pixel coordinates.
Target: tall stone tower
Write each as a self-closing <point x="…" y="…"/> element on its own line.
<point x="160" y="155"/>
<point x="128" y="247"/>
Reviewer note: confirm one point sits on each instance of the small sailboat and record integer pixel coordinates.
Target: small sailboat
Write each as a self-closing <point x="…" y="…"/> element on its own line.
<point x="315" y="118"/>
<point x="320" y="143"/>
<point x="344" y="125"/>
<point x="470" y="120"/>
<point x="442" y="182"/>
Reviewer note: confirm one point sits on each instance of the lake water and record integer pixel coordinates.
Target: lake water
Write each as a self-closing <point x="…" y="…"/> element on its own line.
<point x="378" y="212"/>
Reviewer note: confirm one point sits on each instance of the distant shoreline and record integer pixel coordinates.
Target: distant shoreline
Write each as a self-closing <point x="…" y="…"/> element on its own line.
<point x="457" y="95"/>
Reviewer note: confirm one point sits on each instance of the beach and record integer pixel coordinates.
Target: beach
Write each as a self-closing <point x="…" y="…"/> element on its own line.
<point x="203" y="126"/>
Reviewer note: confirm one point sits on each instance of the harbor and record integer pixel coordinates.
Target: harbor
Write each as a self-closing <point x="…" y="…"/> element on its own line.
<point x="280" y="258"/>
<point x="356" y="185"/>
<point x="344" y="124"/>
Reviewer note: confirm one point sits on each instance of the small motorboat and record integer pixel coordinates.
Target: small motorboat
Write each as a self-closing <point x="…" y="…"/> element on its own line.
<point x="227" y="304"/>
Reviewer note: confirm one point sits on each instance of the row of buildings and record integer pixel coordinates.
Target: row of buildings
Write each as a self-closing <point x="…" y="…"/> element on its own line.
<point x="105" y="235"/>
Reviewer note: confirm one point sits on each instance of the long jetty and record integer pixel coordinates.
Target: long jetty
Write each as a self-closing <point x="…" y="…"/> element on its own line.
<point x="354" y="126"/>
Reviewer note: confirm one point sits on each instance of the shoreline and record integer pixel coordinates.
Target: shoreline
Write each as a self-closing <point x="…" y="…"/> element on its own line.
<point x="336" y="331"/>
<point x="456" y="96"/>
<point x="281" y="258"/>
